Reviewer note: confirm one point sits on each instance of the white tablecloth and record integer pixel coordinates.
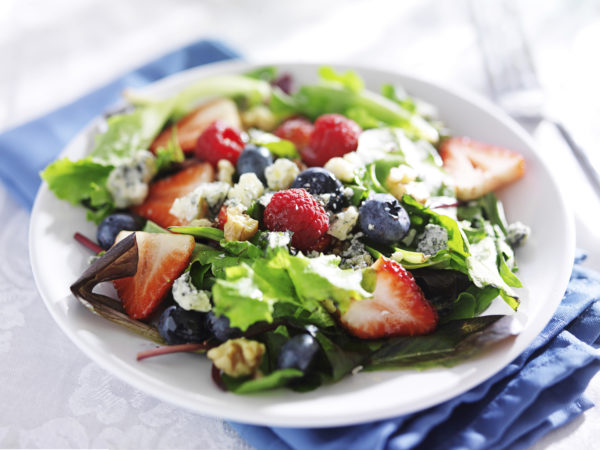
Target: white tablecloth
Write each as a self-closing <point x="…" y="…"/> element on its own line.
<point x="52" y="52"/>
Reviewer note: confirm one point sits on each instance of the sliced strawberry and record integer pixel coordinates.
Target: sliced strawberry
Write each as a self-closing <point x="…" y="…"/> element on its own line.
<point x="191" y="126"/>
<point x="397" y="308"/>
<point x="162" y="257"/>
<point x="162" y="194"/>
<point x="479" y="168"/>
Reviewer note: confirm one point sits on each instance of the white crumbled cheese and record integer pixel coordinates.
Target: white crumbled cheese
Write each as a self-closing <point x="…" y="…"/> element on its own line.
<point x="193" y="205"/>
<point x="516" y="233"/>
<point x="433" y="239"/>
<point x="225" y="171"/>
<point x="128" y="183"/>
<point x="402" y="174"/>
<point x="354" y="159"/>
<point x="190" y="206"/>
<point x="356" y="256"/>
<point x="341" y="168"/>
<point x="323" y="198"/>
<point x="188" y="297"/>
<point x="276" y="239"/>
<point x="265" y="199"/>
<point x="259" y="116"/>
<point x="418" y="190"/>
<point x="281" y="174"/>
<point x="247" y="189"/>
<point x="342" y="223"/>
<point x="215" y="194"/>
<point x="399" y="179"/>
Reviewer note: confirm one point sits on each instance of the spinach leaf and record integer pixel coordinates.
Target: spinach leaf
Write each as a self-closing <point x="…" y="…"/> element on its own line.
<point x="278" y="378"/>
<point x="451" y="343"/>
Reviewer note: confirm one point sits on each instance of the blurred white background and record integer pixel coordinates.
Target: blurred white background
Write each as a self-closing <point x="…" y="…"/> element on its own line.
<point x="53" y="51"/>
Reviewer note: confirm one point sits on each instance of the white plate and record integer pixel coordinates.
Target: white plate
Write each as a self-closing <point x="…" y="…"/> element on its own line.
<point x="184" y="379"/>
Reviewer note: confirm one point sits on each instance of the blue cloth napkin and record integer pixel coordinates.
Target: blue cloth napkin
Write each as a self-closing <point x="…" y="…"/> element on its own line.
<point x="27" y="149"/>
<point x="539" y="391"/>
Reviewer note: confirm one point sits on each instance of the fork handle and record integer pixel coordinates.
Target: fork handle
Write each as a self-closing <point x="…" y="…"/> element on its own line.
<point x="581" y="156"/>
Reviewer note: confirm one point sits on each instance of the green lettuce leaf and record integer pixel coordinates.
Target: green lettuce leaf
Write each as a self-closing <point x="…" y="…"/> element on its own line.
<point x="248" y="293"/>
<point x="81" y="182"/>
<point x="320" y="278"/>
<point x="279" y="147"/>
<point x="348" y="79"/>
<point x="128" y="133"/>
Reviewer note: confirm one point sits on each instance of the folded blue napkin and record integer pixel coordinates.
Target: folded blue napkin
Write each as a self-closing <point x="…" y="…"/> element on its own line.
<point x="539" y="391"/>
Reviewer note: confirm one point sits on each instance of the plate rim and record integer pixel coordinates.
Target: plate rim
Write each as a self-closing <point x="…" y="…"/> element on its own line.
<point x="155" y="390"/>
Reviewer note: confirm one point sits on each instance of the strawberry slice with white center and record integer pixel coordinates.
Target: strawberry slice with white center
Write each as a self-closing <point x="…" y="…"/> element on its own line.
<point x="162" y="258"/>
<point x="162" y="194"/>
<point x="397" y="308"/>
<point x="191" y="126"/>
<point x="479" y="168"/>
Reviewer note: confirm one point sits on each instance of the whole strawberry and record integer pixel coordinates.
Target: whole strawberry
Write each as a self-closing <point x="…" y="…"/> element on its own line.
<point x="333" y="135"/>
<point x="297" y="211"/>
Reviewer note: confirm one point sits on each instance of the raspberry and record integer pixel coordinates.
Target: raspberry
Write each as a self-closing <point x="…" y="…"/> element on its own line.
<point x="297" y="130"/>
<point x="334" y="135"/>
<point x="297" y="211"/>
<point x="219" y="141"/>
<point x="222" y="217"/>
<point x="322" y="244"/>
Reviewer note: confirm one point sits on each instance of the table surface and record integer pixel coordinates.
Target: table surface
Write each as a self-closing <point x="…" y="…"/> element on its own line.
<point x="53" y="52"/>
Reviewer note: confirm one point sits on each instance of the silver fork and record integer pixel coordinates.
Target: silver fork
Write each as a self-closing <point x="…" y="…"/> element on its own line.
<point x="512" y="75"/>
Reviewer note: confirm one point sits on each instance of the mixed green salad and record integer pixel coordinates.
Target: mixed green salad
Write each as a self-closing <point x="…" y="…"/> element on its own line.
<point x="295" y="235"/>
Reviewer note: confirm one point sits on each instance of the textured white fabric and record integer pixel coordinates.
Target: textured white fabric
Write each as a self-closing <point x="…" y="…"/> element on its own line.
<point x="51" y="395"/>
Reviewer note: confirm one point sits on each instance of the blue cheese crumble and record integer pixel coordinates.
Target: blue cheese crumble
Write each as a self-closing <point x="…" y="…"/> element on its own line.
<point x="128" y="182"/>
<point x="356" y="256"/>
<point x="433" y="239"/>
<point x="188" y="297"/>
<point x="248" y="189"/>
<point x="517" y="233"/>
<point x="342" y="223"/>
<point x="281" y="174"/>
<point x="194" y="204"/>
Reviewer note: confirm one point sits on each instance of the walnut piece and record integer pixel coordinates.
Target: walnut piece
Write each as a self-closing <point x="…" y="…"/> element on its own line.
<point x="237" y="357"/>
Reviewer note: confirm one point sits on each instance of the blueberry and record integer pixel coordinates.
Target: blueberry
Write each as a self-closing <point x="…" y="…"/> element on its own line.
<point x="254" y="159"/>
<point x="179" y="326"/>
<point x="298" y="353"/>
<point x="112" y="225"/>
<point x="383" y="220"/>
<point x="220" y="328"/>
<point x="319" y="182"/>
